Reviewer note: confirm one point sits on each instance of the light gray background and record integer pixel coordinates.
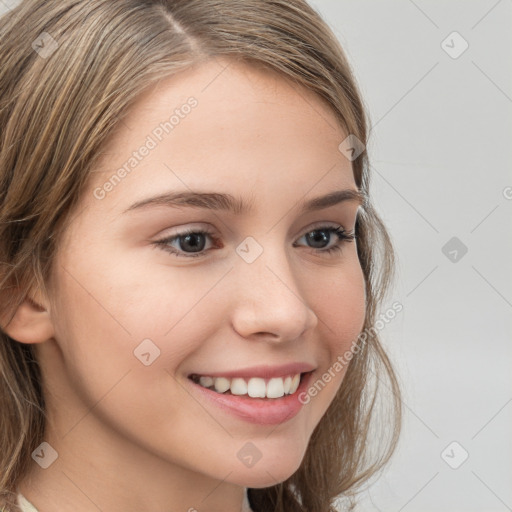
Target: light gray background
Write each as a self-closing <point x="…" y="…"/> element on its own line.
<point x="441" y="156"/>
<point x="441" y="151"/>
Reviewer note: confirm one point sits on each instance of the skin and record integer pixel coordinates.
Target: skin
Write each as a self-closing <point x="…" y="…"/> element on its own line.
<point x="133" y="437"/>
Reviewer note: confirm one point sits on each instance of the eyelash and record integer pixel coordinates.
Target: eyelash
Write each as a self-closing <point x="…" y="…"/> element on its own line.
<point x="343" y="237"/>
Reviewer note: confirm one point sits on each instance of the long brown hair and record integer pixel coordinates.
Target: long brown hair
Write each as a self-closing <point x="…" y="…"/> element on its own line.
<point x="57" y="111"/>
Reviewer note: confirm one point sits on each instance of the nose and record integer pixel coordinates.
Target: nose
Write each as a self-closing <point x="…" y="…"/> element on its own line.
<point x="267" y="302"/>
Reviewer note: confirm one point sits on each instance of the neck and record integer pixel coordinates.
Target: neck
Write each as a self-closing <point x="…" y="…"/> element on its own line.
<point x="104" y="469"/>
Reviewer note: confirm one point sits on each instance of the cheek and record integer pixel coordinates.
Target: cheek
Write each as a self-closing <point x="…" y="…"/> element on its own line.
<point x="341" y="307"/>
<point x="98" y="326"/>
<point x="117" y="314"/>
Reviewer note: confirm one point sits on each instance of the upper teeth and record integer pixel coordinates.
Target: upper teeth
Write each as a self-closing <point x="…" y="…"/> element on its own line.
<point x="255" y="387"/>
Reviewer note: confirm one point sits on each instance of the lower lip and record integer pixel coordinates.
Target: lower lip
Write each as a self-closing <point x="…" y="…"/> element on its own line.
<point x="262" y="411"/>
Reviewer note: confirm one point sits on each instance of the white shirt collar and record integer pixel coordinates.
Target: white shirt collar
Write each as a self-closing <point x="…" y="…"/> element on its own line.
<point x="245" y="505"/>
<point x="26" y="506"/>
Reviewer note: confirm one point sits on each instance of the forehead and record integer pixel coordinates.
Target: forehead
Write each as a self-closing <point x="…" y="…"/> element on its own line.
<point x="228" y="82"/>
<point x="250" y="127"/>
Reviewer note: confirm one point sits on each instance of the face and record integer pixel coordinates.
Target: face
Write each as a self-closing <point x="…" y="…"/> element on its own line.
<point x="146" y="294"/>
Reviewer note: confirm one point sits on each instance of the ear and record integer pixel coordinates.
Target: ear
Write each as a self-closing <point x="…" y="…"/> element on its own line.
<point x="31" y="322"/>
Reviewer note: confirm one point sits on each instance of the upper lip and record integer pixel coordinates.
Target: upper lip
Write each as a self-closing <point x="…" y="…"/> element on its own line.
<point x="262" y="371"/>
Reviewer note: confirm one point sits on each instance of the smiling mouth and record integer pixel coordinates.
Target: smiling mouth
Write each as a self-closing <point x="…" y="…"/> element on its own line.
<point x="254" y="387"/>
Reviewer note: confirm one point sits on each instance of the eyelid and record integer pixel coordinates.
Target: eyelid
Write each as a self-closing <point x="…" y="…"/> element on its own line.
<point x="206" y="228"/>
<point x="189" y="228"/>
<point x="322" y="224"/>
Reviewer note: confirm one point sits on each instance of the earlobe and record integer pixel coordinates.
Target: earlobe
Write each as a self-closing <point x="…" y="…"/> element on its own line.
<point x="31" y="323"/>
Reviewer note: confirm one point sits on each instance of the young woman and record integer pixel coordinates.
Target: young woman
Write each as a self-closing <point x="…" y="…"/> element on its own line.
<point x="190" y="264"/>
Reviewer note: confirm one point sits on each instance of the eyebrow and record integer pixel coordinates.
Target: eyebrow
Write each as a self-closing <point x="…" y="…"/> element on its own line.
<point x="227" y="202"/>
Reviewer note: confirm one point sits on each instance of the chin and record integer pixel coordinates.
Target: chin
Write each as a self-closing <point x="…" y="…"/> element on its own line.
<point x="266" y="473"/>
